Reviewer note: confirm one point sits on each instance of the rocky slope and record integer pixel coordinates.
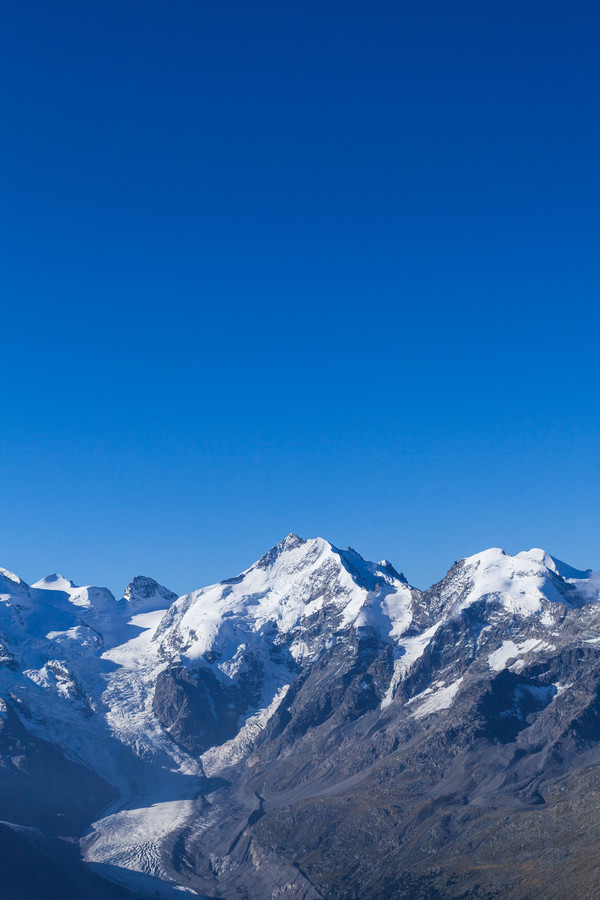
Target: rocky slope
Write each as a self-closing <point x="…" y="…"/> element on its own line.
<point x="314" y="727"/>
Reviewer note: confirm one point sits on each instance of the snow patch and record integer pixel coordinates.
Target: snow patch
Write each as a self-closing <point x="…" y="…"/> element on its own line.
<point x="443" y="698"/>
<point x="406" y="654"/>
<point x="216" y="759"/>
<point x="509" y="650"/>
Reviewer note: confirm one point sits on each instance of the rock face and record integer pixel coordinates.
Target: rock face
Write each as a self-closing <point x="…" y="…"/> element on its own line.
<point x="144" y="594"/>
<point x="315" y="727"/>
<point x="197" y="709"/>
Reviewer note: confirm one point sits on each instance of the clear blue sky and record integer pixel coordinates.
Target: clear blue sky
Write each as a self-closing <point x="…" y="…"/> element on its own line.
<point x="329" y="267"/>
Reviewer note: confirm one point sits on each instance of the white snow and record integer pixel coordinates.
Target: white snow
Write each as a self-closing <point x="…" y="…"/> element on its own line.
<point x="10" y="576"/>
<point x="509" y="650"/>
<point x="59" y="589"/>
<point x="89" y="663"/>
<point x="280" y="596"/>
<point x="54" y="582"/>
<point x="132" y="838"/>
<point x="443" y="698"/>
<point x="567" y="572"/>
<point x="407" y="653"/>
<point x="523" y="583"/>
<point x="518" y="585"/>
<point x="102" y="655"/>
<point x="216" y="759"/>
<point x="272" y="602"/>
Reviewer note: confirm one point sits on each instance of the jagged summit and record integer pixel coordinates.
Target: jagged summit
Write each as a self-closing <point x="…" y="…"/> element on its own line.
<point x="296" y="581"/>
<point x="144" y="594"/>
<point x="291" y="542"/>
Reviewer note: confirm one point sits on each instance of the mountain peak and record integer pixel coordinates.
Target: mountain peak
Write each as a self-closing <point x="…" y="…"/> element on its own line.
<point x="144" y="594"/>
<point x="55" y="582"/>
<point x="524" y="583"/>
<point x="291" y="542"/>
<point x="537" y="557"/>
<point x="551" y="562"/>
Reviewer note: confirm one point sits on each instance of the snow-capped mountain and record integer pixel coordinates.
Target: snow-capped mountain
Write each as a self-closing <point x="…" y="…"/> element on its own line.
<point x="246" y="639"/>
<point x="255" y="738"/>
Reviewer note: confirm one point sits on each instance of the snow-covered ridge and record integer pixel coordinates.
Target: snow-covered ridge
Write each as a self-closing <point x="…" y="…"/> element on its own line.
<point x="525" y="583"/>
<point x="296" y="581"/>
<point x="294" y="600"/>
<point x="144" y="594"/>
<point x="278" y="614"/>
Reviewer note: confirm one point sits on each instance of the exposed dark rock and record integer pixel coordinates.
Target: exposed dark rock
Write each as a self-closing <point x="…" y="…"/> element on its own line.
<point x="199" y="709"/>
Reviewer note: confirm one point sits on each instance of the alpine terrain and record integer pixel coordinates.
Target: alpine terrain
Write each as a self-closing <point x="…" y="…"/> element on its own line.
<point x="312" y="728"/>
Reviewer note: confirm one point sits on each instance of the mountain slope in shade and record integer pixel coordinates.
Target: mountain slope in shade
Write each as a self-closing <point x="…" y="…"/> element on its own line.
<point x="313" y="727"/>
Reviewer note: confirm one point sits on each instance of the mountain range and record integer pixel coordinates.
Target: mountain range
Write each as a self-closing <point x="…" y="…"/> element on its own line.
<point x="314" y="727"/>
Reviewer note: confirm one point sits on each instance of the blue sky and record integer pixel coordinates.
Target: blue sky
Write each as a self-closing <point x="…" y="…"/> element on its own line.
<point x="325" y="267"/>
